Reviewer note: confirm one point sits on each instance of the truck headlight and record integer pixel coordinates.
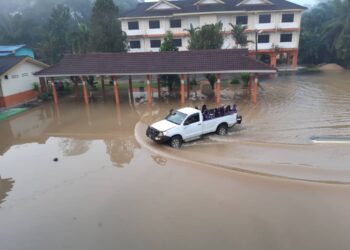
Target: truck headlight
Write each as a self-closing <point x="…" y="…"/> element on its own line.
<point x="163" y="133"/>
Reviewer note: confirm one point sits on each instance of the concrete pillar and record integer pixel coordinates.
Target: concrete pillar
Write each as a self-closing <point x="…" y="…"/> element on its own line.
<point x="42" y="87"/>
<point x="295" y="58"/>
<point x="116" y="90"/>
<point x="85" y="90"/>
<point x="255" y="96"/>
<point x="188" y="87"/>
<point x="218" y="88"/>
<point x="159" y="90"/>
<point x="131" y="90"/>
<point x="182" y="89"/>
<point x="103" y="86"/>
<point x="149" y="90"/>
<point x="273" y="60"/>
<point x="250" y="84"/>
<point x="54" y="91"/>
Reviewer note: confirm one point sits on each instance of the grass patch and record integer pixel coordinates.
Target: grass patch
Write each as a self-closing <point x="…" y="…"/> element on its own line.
<point x="11" y="112"/>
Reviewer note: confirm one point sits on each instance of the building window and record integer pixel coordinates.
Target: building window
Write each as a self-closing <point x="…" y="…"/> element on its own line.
<point x="25" y="74"/>
<point x="175" y="23"/>
<point x="155" y="43"/>
<point x="286" y="38"/>
<point x="177" y="42"/>
<point x="263" y="38"/>
<point x="154" y="24"/>
<point x="14" y="76"/>
<point x="135" y="44"/>
<point x="265" y="18"/>
<point x="287" y="18"/>
<point x="133" y="25"/>
<point x="242" y="20"/>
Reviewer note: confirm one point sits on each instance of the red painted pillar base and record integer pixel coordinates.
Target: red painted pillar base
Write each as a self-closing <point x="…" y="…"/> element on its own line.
<point x="116" y="90"/>
<point x="86" y="95"/>
<point x="182" y="89"/>
<point x="295" y="59"/>
<point x="273" y="59"/>
<point x="54" y="91"/>
<point x="149" y="90"/>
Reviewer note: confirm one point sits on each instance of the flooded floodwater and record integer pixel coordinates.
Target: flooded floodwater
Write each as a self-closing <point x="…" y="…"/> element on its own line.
<point x="264" y="186"/>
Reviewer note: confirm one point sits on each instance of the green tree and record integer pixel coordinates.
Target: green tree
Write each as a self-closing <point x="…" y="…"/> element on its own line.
<point x="169" y="45"/>
<point x="56" y="32"/>
<point x="106" y="34"/>
<point x="80" y="39"/>
<point x="207" y="37"/>
<point x="325" y="33"/>
<point x="336" y="32"/>
<point x="238" y="34"/>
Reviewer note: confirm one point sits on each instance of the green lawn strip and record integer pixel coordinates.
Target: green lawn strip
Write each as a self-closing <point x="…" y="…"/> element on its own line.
<point x="11" y="112"/>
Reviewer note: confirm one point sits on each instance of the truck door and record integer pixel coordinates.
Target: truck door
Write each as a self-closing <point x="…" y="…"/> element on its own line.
<point x="192" y="127"/>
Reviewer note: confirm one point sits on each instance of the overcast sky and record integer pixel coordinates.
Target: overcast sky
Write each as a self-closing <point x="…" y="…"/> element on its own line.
<point x="302" y="2"/>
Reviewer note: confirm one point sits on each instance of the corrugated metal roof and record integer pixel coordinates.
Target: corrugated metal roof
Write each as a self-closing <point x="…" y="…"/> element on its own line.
<point x="11" y="48"/>
<point x="8" y="62"/>
<point x="179" y="62"/>
<point x="187" y="6"/>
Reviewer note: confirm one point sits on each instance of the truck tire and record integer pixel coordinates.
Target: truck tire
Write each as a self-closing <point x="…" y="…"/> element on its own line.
<point x="176" y="141"/>
<point x="222" y="130"/>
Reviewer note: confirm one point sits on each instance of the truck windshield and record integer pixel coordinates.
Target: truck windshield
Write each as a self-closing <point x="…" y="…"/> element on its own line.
<point x="176" y="117"/>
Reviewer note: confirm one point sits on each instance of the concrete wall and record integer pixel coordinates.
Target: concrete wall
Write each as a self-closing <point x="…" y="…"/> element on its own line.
<point x="19" y="87"/>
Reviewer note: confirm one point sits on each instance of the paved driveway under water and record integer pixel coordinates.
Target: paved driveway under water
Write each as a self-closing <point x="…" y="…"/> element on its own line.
<point x="113" y="189"/>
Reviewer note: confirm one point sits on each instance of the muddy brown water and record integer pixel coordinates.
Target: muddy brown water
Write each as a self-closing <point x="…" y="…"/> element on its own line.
<point x="264" y="186"/>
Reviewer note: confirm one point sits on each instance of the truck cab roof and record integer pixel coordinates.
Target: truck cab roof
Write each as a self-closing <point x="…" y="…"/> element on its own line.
<point x="188" y="110"/>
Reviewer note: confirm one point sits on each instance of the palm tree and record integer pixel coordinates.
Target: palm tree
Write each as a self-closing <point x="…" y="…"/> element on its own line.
<point x="238" y="33"/>
<point x="336" y="33"/>
<point x="192" y="32"/>
<point x="80" y="39"/>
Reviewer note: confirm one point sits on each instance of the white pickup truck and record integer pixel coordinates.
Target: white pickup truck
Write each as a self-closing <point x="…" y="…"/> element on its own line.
<point x="189" y="124"/>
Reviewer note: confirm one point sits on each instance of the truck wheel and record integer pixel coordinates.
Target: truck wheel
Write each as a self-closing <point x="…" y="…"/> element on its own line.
<point x="176" y="141"/>
<point x="222" y="130"/>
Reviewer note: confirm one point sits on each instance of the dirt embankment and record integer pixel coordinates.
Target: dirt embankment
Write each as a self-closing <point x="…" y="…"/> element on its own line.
<point x="331" y="67"/>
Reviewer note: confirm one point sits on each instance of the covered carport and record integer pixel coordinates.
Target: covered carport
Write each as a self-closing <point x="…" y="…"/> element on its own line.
<point x="154" y="64"/>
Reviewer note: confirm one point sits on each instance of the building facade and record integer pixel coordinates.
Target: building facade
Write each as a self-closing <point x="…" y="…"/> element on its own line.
<point x="17" y="80"/>
<point x="273" y="26"/>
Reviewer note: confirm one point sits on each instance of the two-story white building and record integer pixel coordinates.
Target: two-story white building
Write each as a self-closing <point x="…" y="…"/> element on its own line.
<point x="273" y="26"/>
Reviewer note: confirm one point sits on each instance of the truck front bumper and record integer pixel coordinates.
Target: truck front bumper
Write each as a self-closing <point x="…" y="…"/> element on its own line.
<point x="156" y="136"/>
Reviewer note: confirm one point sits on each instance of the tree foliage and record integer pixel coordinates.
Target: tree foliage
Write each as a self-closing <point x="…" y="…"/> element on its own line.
<point x="54" y="27"/>
<point x="325" y="34"/>
<point x="56" y="33"/>
<point x="238" y="34"/>
<point x="168" y="45"/>
<point x="106" y="34"/>
<point x="209" y="36"/>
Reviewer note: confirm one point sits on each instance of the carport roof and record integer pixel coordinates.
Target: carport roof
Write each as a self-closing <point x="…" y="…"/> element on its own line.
<point x="157" y="63"/>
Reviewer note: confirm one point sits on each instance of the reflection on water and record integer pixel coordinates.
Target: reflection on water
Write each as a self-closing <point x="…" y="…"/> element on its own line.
<point x="6" y="186"/>
<point x="87" y="201"/>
